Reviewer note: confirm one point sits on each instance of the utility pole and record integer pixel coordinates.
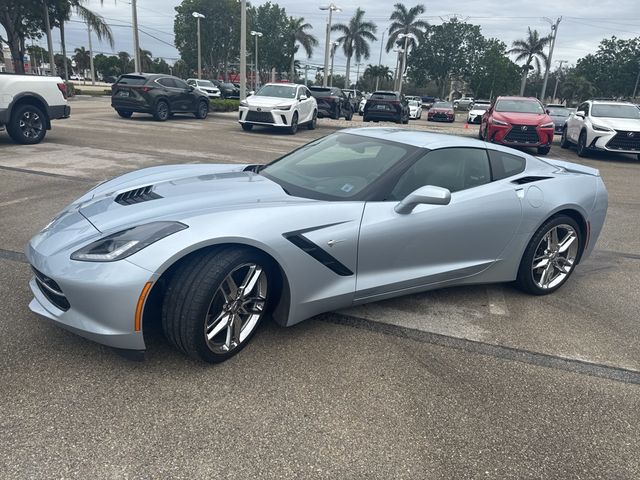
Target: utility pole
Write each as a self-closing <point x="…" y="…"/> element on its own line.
<point x="635" y="89"/>
<point x="136" y="39"/>
<point x="357" y="74"/>
<point x="52" y="63"/>
<point x="306" y="78"/>
<point x="256" y="74"/>
<point x="243" y="49"/>
<point x="555" y="89"/>
<point x="334" y="47"/>
<point x="381" y="44"/>
<point x="332" y="8"/>
<point x="198" y="16"/>
<point x="554" y="29"/>
<point x="93" y="72"/>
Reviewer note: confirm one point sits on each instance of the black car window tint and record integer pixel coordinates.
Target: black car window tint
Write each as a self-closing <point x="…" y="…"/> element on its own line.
<point x="179" y="83"/>
<point x="166" y="82"/>
<point x="505" y="165"/>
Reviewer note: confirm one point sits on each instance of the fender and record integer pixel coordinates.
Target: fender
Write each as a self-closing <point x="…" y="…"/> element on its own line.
<point x="38" y="97"/>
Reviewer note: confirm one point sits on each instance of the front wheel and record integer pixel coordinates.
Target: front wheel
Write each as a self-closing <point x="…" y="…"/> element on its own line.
<point x="28" y="125"/>
<point x="551" y="256"/>
<point x="564" y="141"/>
<point x="314" y="121"/>
<point x="215" y="302"/>
<point x="294" y="124"/>
<point x="161" y="112"/>
<point x="365" y="118"/>
<point x="247" y="127"/>
<point x="543" y="150"/>
<point x="202" y="111"/>
<point x="582" y="149"/>
<point x="125" y="113"/>
<point x="480" y="136"/>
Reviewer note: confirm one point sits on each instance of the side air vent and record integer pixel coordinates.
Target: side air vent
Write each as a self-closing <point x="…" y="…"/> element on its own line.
<point x="139" y="195"/>
<point x="319" y="254"/>
<point x="523" y="180"/>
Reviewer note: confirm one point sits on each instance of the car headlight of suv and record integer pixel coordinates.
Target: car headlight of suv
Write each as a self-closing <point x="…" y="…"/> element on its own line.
<point x="499" y="122"/>
<point x="243" y="103"/>
<point x="600" y="128"/>
<point x="547" y="125"/>
<point x="283" y="107"/>
<point x="127" y="242"/>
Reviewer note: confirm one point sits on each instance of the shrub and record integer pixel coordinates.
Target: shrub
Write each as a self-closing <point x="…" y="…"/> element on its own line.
<point x="224" y="105"/>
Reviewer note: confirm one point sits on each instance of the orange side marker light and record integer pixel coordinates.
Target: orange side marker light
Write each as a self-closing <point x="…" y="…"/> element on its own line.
<point x="143" y="296"/>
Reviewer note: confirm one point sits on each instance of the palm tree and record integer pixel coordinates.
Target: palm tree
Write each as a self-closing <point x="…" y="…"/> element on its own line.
<point x="95" y="21"/>
<point x="355" y="39"/>
<point x="82" y="59"/>
<point x="297" y="31"/>
<point x="146" y="60"/>
<point x="406" y="22"/>
<point x="379" y="72"/>
<point x="530" y="49"/>
<point x="124" y="61"/>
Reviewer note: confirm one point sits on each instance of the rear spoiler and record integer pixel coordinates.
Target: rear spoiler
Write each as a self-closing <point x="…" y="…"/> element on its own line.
<point x="572" y="167"/>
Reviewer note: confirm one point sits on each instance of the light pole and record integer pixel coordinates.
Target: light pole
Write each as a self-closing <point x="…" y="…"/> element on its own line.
<point x="136" y="39"/>
<point x="334" y="47"/>
<point x="554" y="30"/>
<point x="243" y="49"/>
<point x="555" y="90"/>
<point x="93" y="71"/>
<point x="399" y="51"/>
<point x="406" y="37"/>
<point x="332" y="8"/>
<point x="198" y="16"/>
<point x="357" y="74"/>
<point x="255" y="74"/>
<point x="381" y="45"/>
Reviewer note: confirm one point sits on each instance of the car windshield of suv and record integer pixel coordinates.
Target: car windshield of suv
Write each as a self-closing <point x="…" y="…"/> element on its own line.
<point x="519" y="106"/>
<point x="324" y="91"/>
<point x="205" y="83"/>
<point x="442" y="105"/>
<point x="558" y="111"/>
<point x="281" y="91"/>
<point x="384" y="96"/>
<point x="336" y="167"/>
<point x="615" y="111"/>
<point x="481" y="106"/>
<point x="414" y="103"/>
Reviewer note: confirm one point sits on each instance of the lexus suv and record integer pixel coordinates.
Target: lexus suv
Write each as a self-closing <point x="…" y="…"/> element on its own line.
<point x="332" y="103"/>
<point x="599" y="125"/>
<point x="518" y="122"/>
<point x="205" y="86"/>
<point x="386" y="106"/>
<point x="158" y="94"/>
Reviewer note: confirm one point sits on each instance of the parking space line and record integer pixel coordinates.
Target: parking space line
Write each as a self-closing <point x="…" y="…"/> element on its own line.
<point x="497" y="303"/>
<point x="47" y="174"/>
<point x="13" y="256"/>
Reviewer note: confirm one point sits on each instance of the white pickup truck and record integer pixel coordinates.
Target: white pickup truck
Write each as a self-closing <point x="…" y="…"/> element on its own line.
<point x="28" y="103"/>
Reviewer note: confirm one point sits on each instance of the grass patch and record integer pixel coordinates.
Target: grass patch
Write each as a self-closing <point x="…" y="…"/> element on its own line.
<point x="224" y="105"/>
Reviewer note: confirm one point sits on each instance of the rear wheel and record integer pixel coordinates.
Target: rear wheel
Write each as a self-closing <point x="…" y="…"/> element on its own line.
<point x="161" y="112"/>
<point x="215" y="302"/>
<point x="314" y="121"/>
<point x="564" y="141"/>
<point x="125" y="113"/>
<point x="349" y="115"/>
<point x="294" y="124"/>
<point x="582" y="149"/>
<point x="246" y="127"/>
<point x="202" y="110"/>
<point x="28" y="125"/>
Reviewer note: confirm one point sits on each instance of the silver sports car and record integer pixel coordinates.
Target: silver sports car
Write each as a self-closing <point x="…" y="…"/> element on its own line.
<point x="354" y="217"/>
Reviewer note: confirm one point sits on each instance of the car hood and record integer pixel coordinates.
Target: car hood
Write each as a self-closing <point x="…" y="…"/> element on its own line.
<point x="176" y="193"/>
<point x="523" y="118"/>
<point x="260" y="101"/>
<point x="627" y="124"/>
<point x="478" y="111"/>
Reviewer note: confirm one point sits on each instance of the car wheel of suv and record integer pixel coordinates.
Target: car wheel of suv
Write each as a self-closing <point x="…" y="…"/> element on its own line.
<point x="349" y="115"/>
<point x="582" y="150"/>
<point x="246" y="127"/>
<point x="365" y="118"/>
<point x="543" y="150"/>
<point x="28" y="125"/>
<point x="294" y="124"/>
<point x="335" y="115"/>
<point x="161" y="112"/>
<point x="314" y="121"/>
<point x="124" y="113"/>
<point x="564" y="141"/>
<point x="202" y="111"/>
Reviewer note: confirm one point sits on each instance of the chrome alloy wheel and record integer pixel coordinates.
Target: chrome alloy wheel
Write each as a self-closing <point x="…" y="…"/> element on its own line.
<point x="555" y="256"/>
<point x="236" y="308"/>
<point x="30" y="124"/>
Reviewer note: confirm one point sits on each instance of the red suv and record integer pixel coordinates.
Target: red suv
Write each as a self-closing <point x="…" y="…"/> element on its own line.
<point x="518" y="122"/>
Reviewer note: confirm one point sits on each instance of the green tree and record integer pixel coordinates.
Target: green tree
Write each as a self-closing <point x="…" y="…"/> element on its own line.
<point x="297" y="31"/>
<point x="38" y="55"/>
<point x="406" y="22"/>
<point x="20" y="20"/>
<point x="107" y="66"/>
<point x="124" y="59"/>
<point x="576" y="88"/>
<point x="160" y="66"/>
<point x="275" y="47"/>
<point x="530" y="49"/>
<point x="355" y="39"/>
<point x="146" y="60"/>
<point x="82" y="59"/>
<point x="493" y="73"/>
<point x="377" y="73"/>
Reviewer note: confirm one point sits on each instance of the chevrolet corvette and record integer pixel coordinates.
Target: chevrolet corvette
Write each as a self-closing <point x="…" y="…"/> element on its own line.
<point x="207" y="251"/>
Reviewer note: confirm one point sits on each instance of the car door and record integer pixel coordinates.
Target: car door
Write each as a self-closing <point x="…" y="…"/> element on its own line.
<point x="400" y="253"/>
<point x="171" y="92"/>
<point x="575" y="123"/>
<point x="303" y="105"/>
<point x="186" y="96"/>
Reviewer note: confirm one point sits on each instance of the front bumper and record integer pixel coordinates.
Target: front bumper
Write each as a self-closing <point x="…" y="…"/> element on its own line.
<point x="265" y="116"/>
<point x="506" y="135"/>
<point x="473" y="118"/>
<point x="440" y="117"/>
<point x="617" y="141"/>
<point x="414" y="114"/>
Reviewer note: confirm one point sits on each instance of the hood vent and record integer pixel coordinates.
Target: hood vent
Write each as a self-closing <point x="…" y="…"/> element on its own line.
<point x="139" y="195"/>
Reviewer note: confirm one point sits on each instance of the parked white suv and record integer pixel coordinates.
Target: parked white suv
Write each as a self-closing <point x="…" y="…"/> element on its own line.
<point x="28" y="103"/>
<point x="601" y="125"/>
<point x="205" y="86"/>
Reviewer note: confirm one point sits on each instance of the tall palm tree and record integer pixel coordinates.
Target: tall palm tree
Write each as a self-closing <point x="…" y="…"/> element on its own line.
<point x="82" y="59"/>
<point x="530" y="49"/>
<point x="146" y="60"/>
<point x="379" y="72"/>
<point x="297" y="30"/>
<point x="124" y="61"/>
<point x="406" y="22"/>
<point x="95" y="21"/>
<point x="355" y="39"/>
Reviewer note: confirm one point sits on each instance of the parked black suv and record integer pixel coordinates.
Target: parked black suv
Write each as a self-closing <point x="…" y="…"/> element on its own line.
<point x="332" y="102"/>
<point x="228" y="90"/>
<point x="386" y="106"/>
<point x="157" y="94"/>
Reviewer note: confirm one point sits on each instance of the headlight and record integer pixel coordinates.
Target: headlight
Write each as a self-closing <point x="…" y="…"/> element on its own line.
<point x="600" y="128"/>
<point x="243" y="103"/>
<point x="283" y="107"/>
<point x="499" y="122"/>
<point x="547" y="125"/>
<point x="127" y="242"/>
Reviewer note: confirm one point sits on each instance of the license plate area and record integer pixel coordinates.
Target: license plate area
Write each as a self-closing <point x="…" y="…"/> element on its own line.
<point x="123" y="93"/>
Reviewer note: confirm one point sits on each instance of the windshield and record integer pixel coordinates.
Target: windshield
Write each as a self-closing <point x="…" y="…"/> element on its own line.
<point x="205" y="83"/>
<point x="324" y="92"/>
<point x="519" y="106"/>
<point x="481" y="106"/>
<point x="558" y="111"/>
<point x="615" y="111"/>
<point x="281" y="91"/>
<point x="335" y="167"/>
<point x="442" y="105"/>
<point x="414" y="103"/>
<point x="384" y="96"/>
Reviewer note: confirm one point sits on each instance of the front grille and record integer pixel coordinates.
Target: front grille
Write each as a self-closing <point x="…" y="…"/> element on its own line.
<point x="440" y="116"/>
<point x="522" y="134"/>
<point x="625" y="140"/>
<point x="263" y="117"/>
<point x="51" y="290"/>
<point x="138" y="195"/>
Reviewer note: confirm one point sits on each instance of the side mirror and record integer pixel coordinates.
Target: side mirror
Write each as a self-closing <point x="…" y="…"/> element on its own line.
<point x="547" y="111"/>
<point x="428" y="194"/>
<point x="251" y="93"/>
<point x="580" y="114"/>
<point x="303" y="97"/>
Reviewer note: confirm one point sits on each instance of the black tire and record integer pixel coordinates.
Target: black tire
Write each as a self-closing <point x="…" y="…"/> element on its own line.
<point x="124" y="113"/>
<point x="314" y="121"/>
<point x="28" y="125"/>
<point x="582" y="149"/>
<point x="365" y="118"/>
<point x="335" y="115"/>
<point x="247" y="127"/>
<point x="543" y="150"/>
<point x="294" y="124"/>
<point x="161" y="111"/>
<point x="564" y="141"/>
<point x="349" y="115"/>
<point x="480" y="135"/>
<point x="193" y="297"/>
<point x="525" y="280"/>
<point x="202" y="110"/>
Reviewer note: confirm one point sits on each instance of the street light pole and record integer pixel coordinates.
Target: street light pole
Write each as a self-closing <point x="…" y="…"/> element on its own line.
<point x="381" y="44"/>
<point x="198" y="16"/>
<point x="243" y="49"/>
<point x="52" y="63"/>
<point x="555" y="89"/>
<point x="334" y="47"/>
<point x="93" y="72"/>
<point x="255" y="74"/>
<point x="136" y="39"/>
<point x="404" y="57"/>
<point x="554" y="29"/>
<point x="399" y="51"/>
<point x="332" y="8"/>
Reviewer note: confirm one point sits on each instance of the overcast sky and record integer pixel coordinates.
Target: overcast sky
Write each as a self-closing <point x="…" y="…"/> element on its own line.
<point x="584" y="23"/>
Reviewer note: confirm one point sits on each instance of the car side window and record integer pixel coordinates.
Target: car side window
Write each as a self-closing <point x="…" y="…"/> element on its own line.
<point x="505" y="165"/>
<point x="300" y="93"/>
<point x="452" y="168"/>
<point x="166" y="82"/>
<point x="180" y="83"/>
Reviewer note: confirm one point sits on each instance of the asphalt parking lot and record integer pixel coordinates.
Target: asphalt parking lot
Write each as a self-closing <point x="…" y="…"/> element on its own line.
<point x="473" y="382"/>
